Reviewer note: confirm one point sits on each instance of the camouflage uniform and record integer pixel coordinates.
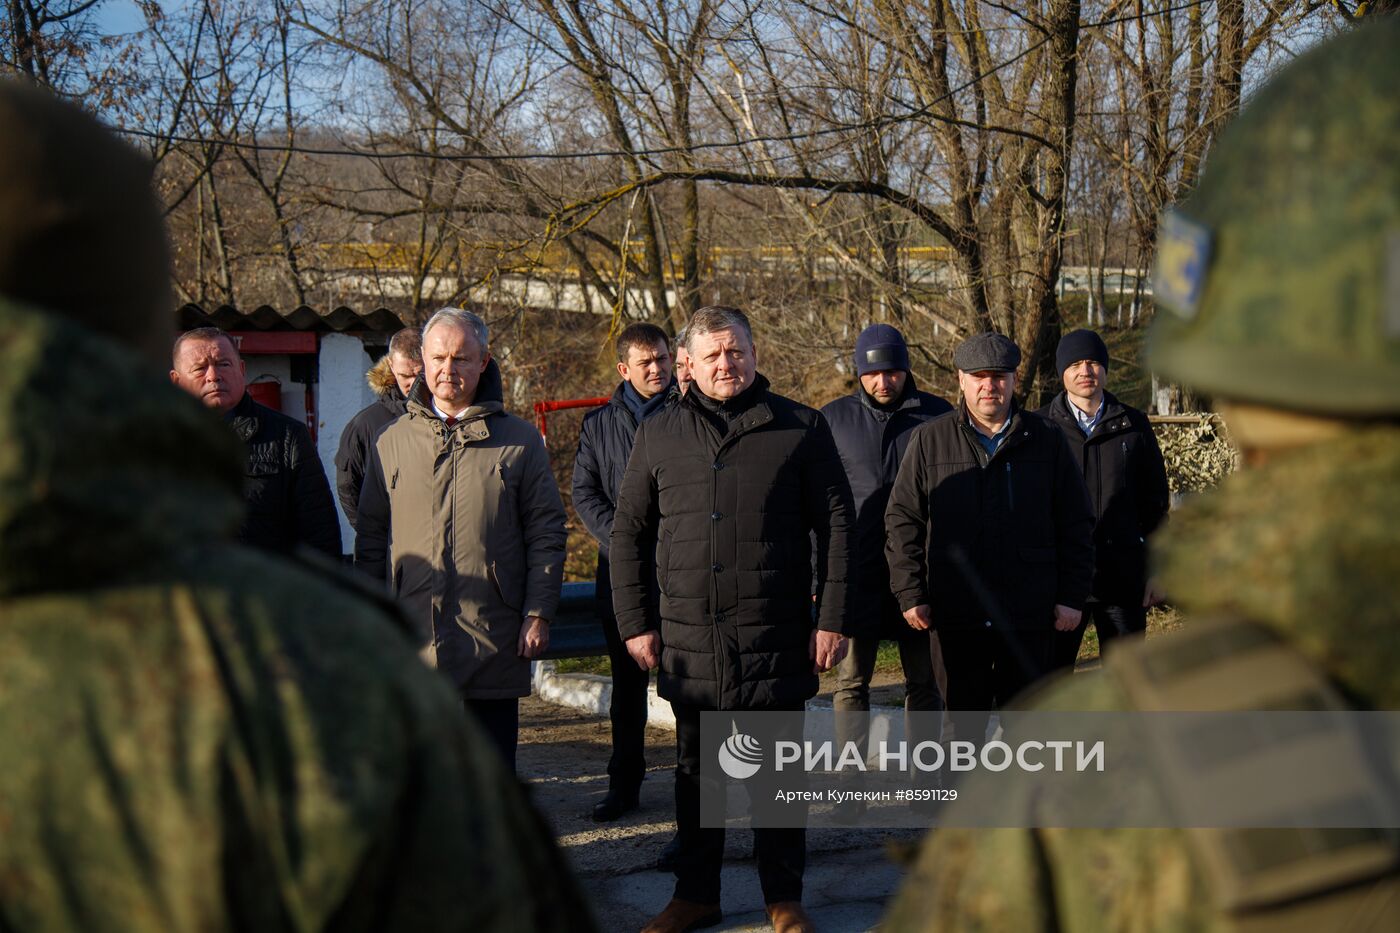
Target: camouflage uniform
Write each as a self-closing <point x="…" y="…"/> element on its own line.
<point x="1296" y="561"/>
<point x="1320" y="568"/>
<point x="195" y="736"/>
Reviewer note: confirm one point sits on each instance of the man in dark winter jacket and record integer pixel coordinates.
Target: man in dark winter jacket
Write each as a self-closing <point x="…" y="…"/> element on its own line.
<point x="718" y="505"/>
<point x="604" y="444"/>
<point x="1114" y="445"/>
<point x="390" y="378"/>
<point x="990" y="536"/>
<point x="872" y="427"/>
<point x="285" y="487"/>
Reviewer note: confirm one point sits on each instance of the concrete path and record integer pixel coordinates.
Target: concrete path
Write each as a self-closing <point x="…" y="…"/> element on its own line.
<point x="563" y="756"/>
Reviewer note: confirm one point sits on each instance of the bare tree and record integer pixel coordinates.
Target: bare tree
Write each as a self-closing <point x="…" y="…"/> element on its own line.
<point x="47" y="41"/>
<point x="461" y="69"/>
<point x="1175" y="77"/>
<point x="827" y="162"/>
<point x="1002" y="135"/>
<point x="639" y="64"/>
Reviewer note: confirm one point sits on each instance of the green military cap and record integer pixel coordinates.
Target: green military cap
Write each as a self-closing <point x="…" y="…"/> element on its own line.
<point x="1278" y="279"/>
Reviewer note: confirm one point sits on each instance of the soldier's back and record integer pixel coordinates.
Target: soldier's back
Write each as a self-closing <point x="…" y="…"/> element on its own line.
<point x="1081" y="878"/>
<point x="197" y="736"/>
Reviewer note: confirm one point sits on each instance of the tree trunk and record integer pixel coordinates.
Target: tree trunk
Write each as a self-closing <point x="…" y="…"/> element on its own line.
<point x="1042" y="327"/>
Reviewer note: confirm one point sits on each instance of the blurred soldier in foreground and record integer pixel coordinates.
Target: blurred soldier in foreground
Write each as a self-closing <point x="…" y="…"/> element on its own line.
<point x="288" y="497"/>
<point x="604" y="444"/>
<point x="1279" y="287"/>
<point x="195" y="735"/>
<point x="1114" y="445"/>
<point x="390" y="378"/>
<point x="461" y="518"/>
<point x="872" y="427"/>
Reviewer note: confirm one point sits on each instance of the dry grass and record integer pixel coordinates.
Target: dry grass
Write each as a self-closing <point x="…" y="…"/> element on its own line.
<point x="1159" y="620"/>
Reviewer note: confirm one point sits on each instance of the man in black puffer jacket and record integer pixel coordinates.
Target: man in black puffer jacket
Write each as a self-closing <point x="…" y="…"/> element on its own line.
<point x="718" y="505"/>
<point x="1114" y="445"/>
<point x="284" y="485"/>
<point x="390" y="379"/>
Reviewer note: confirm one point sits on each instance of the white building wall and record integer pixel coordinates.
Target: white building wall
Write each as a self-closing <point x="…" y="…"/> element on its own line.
<point x="341" y="394"/>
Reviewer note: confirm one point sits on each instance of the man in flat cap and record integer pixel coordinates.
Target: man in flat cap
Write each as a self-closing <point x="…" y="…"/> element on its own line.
<point x="989" y="536"/>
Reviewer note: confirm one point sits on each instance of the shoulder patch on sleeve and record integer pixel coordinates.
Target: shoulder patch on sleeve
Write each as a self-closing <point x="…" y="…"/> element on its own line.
<point x="1183" y="258"/>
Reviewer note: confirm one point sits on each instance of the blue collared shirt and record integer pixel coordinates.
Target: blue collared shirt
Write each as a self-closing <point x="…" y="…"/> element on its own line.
<point x="1087" y="423"/>
<point x="990" y="444"/>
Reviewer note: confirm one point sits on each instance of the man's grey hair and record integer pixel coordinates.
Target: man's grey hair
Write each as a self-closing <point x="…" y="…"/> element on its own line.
<point x="472" y="323"/>
<point x="407" y="342"/>
<point x="204" y="335"/>
<point x="712" y="318"/>
<point x="680" y="340"/>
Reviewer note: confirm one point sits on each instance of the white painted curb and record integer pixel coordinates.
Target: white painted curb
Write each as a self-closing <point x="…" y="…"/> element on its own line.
<point x="592" y="693"/>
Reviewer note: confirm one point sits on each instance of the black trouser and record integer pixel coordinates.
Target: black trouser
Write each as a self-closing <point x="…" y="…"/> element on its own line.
<point x="628" y="707"/>
<point x="986" y="668"/>
<point x="501" y="720"/>
<point x="1110" y="620"/>
<point x="781" y="853"/>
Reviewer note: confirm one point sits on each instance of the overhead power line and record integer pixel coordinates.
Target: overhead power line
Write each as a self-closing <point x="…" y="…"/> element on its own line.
<point x="488" y="157"/>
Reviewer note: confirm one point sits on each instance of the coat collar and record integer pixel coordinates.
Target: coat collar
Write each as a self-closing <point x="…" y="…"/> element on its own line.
<point x="1113" y="419"/>
<point x="909" y="400"/>
<point x="650" y="406"/>
<point x="758" y="413"/>
<point x="1017" y="431"/>
<point x="381" y="381"/>
<point x="244" y="418"/>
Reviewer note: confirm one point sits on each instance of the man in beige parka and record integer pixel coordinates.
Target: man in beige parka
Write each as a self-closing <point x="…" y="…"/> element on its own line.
<point x="461" y="518"/>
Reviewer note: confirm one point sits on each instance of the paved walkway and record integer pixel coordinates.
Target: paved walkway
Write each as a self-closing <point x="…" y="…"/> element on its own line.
<point x="563" y="758"/>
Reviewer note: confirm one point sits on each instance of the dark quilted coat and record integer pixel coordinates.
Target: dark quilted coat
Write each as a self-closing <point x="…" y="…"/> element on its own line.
<point x="604" y="446"/>
<point x="871" y="441"/>
<point x="725" y="523"/>
<point x="285" y="486"/>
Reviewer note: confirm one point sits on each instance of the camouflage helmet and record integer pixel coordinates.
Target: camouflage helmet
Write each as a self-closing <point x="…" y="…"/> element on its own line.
<point x="1278" y="280"/>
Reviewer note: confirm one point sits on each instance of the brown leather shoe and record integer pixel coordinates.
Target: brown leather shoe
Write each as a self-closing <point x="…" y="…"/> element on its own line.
<point x="789" y="917"/>
<point x="680" y="916"/>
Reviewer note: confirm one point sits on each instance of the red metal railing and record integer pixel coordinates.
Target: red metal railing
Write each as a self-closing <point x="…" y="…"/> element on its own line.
<point x="542" y="410"/>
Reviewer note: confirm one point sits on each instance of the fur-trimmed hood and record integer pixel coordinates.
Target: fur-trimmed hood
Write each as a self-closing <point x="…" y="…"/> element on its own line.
<point x="381" y="379"/>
